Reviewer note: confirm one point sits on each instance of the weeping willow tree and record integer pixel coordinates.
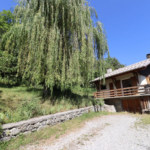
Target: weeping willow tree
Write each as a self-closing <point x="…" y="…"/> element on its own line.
<point x="57" y="42"/>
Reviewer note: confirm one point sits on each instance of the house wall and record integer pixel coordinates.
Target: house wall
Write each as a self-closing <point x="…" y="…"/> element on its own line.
<point x="142" y="80"/>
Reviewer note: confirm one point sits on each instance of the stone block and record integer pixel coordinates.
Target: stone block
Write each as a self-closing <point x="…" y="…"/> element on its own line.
<point x="37" y="125"/>
<point x="41" y="127"/>
<point x="7" y="133"/>
<point x="14" y="131"/>
<point x="34" y="130"/>
<point x="109" y="108"/>
<point x="30" y="127"/>
<point x="23" y="128"/>
<point x="62" y="118"/>
<point x="5" y="139"/>
<point x="48" y="122"/>
<point x="26" y="133"/>
<point x="43" y="123"/>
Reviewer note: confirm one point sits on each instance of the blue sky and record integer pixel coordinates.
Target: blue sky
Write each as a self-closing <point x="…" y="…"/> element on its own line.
<point x="127" y="23"/>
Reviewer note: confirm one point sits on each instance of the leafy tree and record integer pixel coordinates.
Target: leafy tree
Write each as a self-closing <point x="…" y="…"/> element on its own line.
<point x="8" y="61"/>
<point x="113" y="63"/>
<point x="8" y="68"/>
<point x="109" y="62"/>
<point x="57" y="42"/>
<point x="6" y="21"/>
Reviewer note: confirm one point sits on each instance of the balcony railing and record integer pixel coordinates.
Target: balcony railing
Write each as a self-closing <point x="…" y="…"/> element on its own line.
<point x="136" y="90"/>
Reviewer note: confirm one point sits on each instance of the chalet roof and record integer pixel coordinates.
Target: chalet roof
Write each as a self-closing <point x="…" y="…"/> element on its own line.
<point x="133" y="67"/>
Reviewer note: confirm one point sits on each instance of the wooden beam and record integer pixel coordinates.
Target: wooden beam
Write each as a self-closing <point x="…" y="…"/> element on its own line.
<point x="148" y="102"/>
<point x="114" y="81"/>
<point x="141" y="105"/>
<point x="136" y="76"/>
<point x="134" y="106"/>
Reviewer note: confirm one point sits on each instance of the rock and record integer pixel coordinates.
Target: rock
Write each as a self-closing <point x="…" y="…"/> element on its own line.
<point x="14" y="131"/>
<point x="26" y="133"/>
<point x="34" y="130"/>
<point x="5" y="139"/>
<point x="71" y="116"/>
<point x="23" y="128"/>
<point x="109" y="108"/>
<point x="62" y="118"/>
<point x="43" y="123"/>
<point x="48" y="122"/>
<point x="7" y="132"/>
<point x="37" y="125"/>
<point x="13" y="125"/>
<point x="57" y="120"/>
<point x="41" y="127"/>
<point x="30" y="127"/>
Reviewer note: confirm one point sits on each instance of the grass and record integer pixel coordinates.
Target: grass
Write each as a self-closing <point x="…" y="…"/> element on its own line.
<point x="22" y="103"/>
<point x="52" y="133"/>
<point x="144" y="120"/>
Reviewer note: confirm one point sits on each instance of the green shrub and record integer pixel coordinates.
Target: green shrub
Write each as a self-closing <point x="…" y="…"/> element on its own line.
<point x="100" y="102"/>
<point x="1" y="130"/>
<point x="97" y="102"/>
<point x="2" y="117"/>
<point x="28" y="109"/>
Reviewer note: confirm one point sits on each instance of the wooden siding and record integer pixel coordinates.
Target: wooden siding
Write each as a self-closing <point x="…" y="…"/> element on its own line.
<point x="131" y="105"/>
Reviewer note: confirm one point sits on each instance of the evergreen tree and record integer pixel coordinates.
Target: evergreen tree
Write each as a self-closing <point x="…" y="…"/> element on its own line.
<point x="6" y="21"/>
<point x="57" y="42"/>
<point x="113" y="63"/>
<point x="8" y="61"/>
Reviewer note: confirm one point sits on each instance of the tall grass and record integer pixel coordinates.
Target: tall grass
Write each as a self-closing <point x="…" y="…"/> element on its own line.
<point x="22" y="103"/>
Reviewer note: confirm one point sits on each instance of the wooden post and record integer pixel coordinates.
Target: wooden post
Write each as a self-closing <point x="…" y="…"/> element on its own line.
<point x="134" y="106"/>
<point x="141" y="106"/>
<point x="144" y="103"/>
<point x="128" y="105"/>
<point x="148" y="102"/>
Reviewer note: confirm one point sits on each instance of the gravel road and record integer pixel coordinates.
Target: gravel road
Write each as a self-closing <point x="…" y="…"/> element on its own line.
<point x="113" y="132"/>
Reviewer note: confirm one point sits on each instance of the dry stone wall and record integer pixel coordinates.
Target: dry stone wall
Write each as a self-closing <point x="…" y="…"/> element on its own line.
<point x="13" y="130"/>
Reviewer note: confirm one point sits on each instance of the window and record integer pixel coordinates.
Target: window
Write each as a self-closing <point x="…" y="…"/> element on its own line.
<point x="126" y="83"/>
<point x="103" y="87"/>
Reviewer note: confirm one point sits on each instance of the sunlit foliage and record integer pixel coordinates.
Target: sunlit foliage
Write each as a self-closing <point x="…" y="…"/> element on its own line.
<point x="57" y="42"/>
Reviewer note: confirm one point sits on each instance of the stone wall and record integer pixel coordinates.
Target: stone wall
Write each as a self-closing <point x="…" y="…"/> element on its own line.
<point x="116" y="102"/>
<point x="36" y="124"/>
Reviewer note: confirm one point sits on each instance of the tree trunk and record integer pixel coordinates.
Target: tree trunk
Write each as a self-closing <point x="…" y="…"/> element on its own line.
<point x="45" y="91"/>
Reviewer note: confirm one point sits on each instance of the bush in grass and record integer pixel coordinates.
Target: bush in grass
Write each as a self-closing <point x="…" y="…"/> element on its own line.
<point x="27" y="110"/>
<point x="94" y="101"/>
<point x="100" y="102"/>
<point x="97" y="102"/>
<point x="2" y="118"/>
<point x="1" y="130"/>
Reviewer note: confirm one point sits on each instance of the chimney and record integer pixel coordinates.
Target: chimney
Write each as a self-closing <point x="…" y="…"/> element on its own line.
<point x="148" y="56"/>
<point x="109" y="70"/>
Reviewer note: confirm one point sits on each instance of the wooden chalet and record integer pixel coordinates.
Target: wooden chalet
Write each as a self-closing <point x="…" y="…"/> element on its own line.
<point x="128" y="88"/>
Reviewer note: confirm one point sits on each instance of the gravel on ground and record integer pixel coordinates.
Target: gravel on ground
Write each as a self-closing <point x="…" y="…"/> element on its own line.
<point x="112" y="132"/>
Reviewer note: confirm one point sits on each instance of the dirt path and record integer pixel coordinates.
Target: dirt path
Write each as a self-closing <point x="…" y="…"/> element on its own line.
<point x="113" y="132"/>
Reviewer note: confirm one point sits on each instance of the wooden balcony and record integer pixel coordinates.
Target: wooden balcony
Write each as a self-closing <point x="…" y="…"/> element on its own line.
<point x="123" y="92"/>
